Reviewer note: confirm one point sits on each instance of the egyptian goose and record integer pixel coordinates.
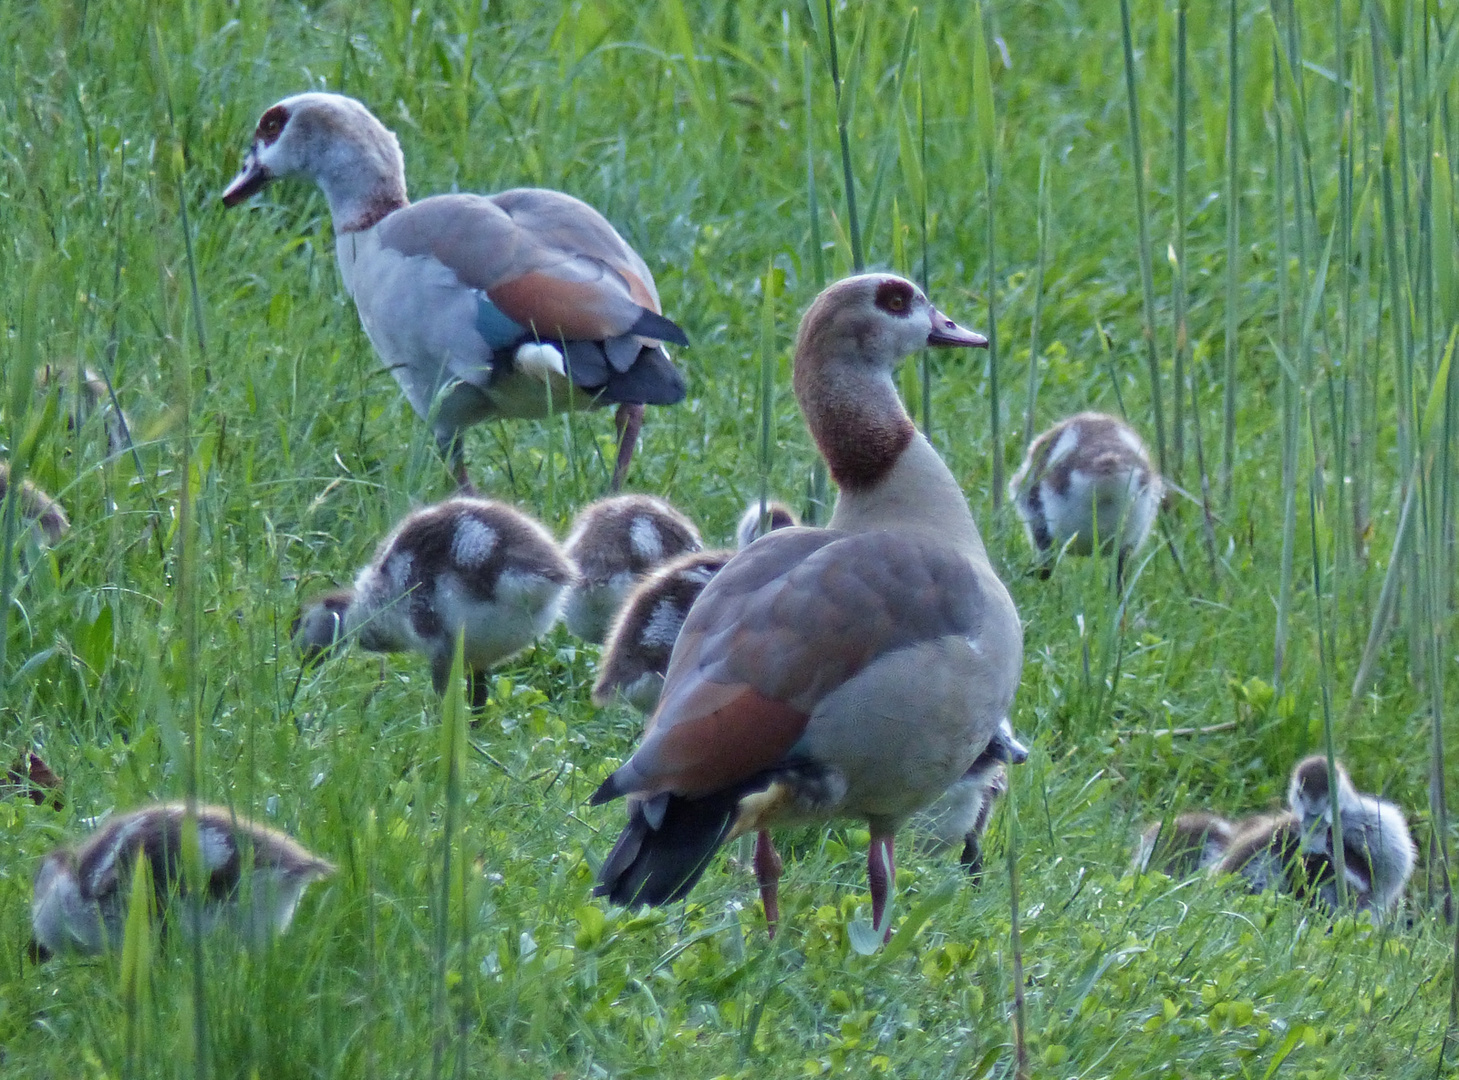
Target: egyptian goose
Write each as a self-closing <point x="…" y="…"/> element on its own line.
<point x="1089" y="475"/>
<point x="1378" y="850"/>
<point x="960" y="815"/>
<point x="47" y="520"/>
<point x="254" y="877"/>
<point x="1194" y="842"/>
<point x="636" y="652"/>
<point x="852" y="671"/>
<point x="505" y="306"/>
<point x="615" y="543"/>
<point x="463" y="564"/>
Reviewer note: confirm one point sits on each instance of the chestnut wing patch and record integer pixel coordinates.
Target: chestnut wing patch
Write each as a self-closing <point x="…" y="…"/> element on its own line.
<point x="784" y="624"/>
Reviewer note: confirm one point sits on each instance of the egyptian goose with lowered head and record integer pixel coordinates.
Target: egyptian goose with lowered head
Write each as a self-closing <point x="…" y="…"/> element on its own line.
<point x="1089" y="475"/>
<point x="852" y="671"/>
<point x="253" y="877"/>
<point x="615" y="543"/>
<point x="636" y="652"/>
<point x="505" y="306"/>
<point x="1378" y="850"/>
<point x="463" y="565"/>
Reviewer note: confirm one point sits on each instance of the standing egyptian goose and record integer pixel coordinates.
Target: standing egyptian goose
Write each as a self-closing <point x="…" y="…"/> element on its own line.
<point x="636" y="652"/>
<point x="615" y="543"/>
<point x="960" y="815"/>
<point x="253" y="877"/>
<point x="1378" y="850"/>
<point x="465" y="564"/>
<point x="1194" y="842"/>
<point x="852" y="671"/>
<point x="1089" y="475"/>
<point x="47" y="520"/>
<point x="513" y="305"/>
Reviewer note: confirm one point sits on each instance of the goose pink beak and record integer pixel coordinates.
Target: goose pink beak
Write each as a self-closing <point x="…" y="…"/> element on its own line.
<point x="250" y="179"/>
<point x="948" y="334"/>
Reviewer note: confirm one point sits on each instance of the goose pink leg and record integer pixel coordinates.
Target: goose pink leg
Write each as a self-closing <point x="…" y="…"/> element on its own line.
<point x="629" y="422"/>
<point x="881" y="871"/>
<point x="768" y="865"/>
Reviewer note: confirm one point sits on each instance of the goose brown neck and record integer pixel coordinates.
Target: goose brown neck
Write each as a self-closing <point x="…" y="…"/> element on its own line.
<point x="856" y="418"/>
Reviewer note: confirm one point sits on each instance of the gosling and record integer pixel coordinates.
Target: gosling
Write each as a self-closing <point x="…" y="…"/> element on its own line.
<point x="1191" y="844"/>
<point x="642" y="637"/>
<point x="1087" y="476"/>
<point x="252" y="878"/>
<point x="615" y="543"/>
<point x="464" y="566"/>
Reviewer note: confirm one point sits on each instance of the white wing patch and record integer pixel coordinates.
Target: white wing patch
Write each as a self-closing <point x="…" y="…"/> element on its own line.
<point x="473" y="543"/>
<point x="664" y="624"/>
<point x="540" y="360"/>
<point x="643" y="534"/>
<point x="1066" y="444"/>
<point x="398" y="568"/>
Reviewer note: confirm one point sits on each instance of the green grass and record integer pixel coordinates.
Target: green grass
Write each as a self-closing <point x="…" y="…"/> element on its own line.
<point x="149" y="651"/>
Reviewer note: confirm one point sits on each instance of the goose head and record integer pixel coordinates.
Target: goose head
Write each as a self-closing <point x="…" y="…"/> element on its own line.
<point x="852" y="338"/>
<point x="335" y="141"/>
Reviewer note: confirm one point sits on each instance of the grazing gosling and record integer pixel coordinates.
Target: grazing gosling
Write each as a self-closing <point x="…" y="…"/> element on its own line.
<point x="776" y="516"/>
<point x="47" y="519"/>
<point x="465" y="564"/>
<point x="642" y="637"/>
<point x="93" y="398"/>
<point x="1378" y="850"/>
<point x="1267" y="852"/>
<point x="1089" y="475"/>
<point x="1192" y="843"/>
<point x="615" y="543"/>
<point x="961" y="813"/>
<point x="253" y="875"/>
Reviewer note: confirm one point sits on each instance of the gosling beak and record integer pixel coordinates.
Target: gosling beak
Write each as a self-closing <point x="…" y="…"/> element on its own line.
<point x="947" y="334"/>
<point x="1006" y="747"/>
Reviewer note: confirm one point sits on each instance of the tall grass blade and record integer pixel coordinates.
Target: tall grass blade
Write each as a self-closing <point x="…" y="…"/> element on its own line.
<point x="770" y="290"/>
<point x="853" y="222"/>
<point x="1329" y="743"/>
<point x="983" y="109"/>
<point x="1181" y="357"/>
<point x="1147" y="275"/>
<point x="453" y="751"/>
<point x="136" y="970"/>
<point x="1045" y="212"/>
<point x="1015" y="935"/>
<point x="1233" y="254"/>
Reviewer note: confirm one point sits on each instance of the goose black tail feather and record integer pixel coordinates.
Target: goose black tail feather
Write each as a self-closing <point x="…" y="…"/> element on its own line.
<point x="656" y="866"/>
<point x="652" y="379"/>
<point x="651" y="324"/>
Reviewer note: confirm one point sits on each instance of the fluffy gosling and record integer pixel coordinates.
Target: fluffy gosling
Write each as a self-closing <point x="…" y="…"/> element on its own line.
<point x="254" y="877"/>
<point x="1089" y="475"/>
<point x="961" y="813"/>
<point x="1192" y="843"/>
<point x="465" y="564"/>
<point x="47" y="520"/>
<point x="615" y="543"/>
<point x="642" y="637"/>
<point x="1378" y="850"/>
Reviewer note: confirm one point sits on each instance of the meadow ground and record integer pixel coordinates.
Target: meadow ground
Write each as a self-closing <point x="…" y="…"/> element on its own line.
<point x="150" y="649"/>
